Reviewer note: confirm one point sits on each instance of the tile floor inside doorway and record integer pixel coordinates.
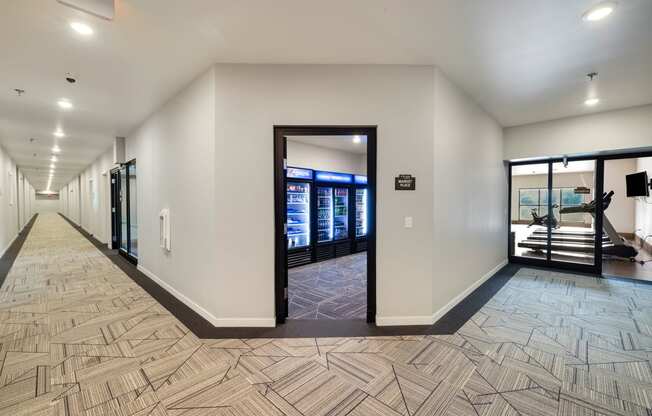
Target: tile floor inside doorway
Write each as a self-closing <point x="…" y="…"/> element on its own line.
<point x="331" y="289"/>
<point x="78" y="337"/>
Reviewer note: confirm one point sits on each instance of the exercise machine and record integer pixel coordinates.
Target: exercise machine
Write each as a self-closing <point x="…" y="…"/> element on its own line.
<point x="544" y="220"/>
<point x="583" y="241"/>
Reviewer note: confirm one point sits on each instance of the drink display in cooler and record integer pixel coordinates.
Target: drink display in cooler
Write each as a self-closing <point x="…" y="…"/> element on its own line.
<point x="361" y="212"/>
<point x="341" y="214"/>
<point x="298" y="206"/>
<point x="324" y="214"/>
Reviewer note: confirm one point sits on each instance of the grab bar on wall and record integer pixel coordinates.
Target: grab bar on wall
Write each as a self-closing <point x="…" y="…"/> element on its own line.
<point x="164" y="229"/>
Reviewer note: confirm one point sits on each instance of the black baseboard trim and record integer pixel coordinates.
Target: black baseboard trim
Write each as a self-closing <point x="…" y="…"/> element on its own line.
<point x="202" y="328"/>
<point x="9" y="256"/>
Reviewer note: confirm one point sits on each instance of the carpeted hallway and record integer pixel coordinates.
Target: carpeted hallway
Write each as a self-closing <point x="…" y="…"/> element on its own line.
<point x="78" y="337"/>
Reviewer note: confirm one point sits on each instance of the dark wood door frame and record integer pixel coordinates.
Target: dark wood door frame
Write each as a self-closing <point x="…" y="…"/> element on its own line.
<point x="280" y="212"/>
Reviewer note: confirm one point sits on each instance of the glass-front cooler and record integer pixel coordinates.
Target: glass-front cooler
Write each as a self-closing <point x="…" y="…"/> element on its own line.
<point x="341" y="214"/>
<point x="361" y="198"/>
<point x="324" y="214"/>
<point x="298" y="210"/>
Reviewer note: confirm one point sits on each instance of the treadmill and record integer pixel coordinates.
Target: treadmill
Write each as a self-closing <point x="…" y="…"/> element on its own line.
<point x="582" y="241"/>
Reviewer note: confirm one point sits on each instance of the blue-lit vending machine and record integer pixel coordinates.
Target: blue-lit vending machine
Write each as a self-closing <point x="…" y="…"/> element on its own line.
<point x="299" y="218"/>
<point x="361" y="213"/>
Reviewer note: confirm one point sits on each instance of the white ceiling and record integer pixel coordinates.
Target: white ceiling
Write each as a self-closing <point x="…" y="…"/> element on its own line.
<point x="523" y="61"/>
<point x="343" y="143"/>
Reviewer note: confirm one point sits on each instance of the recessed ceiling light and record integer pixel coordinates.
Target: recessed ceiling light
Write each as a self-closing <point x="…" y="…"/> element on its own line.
<point x="599" y="11"/>
<point x="357" y="139"/>
<point x="592" y="101"/>
<point x="56" y="149"/>
<point x="65" y="104"/>
<point x="51" y="165"/>
<point x="81" y="28"/>
<point x="53" y="158"/>
<point x="59" y="133"/>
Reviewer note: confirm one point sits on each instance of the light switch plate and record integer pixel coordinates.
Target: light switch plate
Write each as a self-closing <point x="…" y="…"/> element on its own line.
<point x="408" y="222"/>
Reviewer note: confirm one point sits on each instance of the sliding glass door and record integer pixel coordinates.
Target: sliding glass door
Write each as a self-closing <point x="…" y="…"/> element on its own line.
<point x="554" y="217"/>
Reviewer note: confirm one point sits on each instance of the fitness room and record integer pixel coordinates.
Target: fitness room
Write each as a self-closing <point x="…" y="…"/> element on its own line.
<point x="327" y="197"/>
<point x="559" y="206"/>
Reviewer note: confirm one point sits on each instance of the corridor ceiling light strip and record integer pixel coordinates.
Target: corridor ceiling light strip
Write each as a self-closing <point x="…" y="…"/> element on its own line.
<point x="56" y="149"/>
<point x="65" y="104"/>
<point x="591" y="102"/>
<point x="81" y="28"/>
<point x="59" y="133"/>
<point x="599" y="11"/>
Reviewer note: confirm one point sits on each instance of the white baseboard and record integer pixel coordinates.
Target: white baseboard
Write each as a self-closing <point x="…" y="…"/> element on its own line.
<point x="403" y="320"/>
<point x="215" y="321"/>
<point x="431" y="319"/>
<point x="457" y="299"/>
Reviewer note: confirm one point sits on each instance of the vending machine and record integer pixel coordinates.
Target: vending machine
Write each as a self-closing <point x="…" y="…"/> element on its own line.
<point x="333" y="220"/>
<point x="327" y="215"/>
<point x="361" y="213"/>
<point x="299" y="216"/>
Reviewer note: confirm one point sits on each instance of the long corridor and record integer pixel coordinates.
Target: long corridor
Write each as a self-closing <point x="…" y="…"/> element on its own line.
<point x="78" y="337"/>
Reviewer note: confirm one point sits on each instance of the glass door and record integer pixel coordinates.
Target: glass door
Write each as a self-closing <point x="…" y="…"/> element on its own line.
<point x="298" y="212"/>
<point x="124" y="210"/>
<point x="341" y="214"/>
<point x="133" y="210"/>
<point x="324" y="214"/>
<point x="554" y="217"/>
<point x="361" y="196"/>
<point x="528" y="236"/>
<point x="574" y="206"/>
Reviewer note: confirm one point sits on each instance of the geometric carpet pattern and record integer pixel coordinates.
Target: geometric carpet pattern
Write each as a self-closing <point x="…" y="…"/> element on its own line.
<point x="78" y="337"/>
<point x="331" y="289"/>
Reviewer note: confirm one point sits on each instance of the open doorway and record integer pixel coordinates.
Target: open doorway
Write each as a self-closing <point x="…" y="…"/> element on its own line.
<point x="325" y="245"/>
<point x="629" y="217"/>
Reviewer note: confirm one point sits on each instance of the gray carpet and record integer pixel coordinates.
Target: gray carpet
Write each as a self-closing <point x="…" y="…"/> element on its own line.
<point x="332" y="289"/>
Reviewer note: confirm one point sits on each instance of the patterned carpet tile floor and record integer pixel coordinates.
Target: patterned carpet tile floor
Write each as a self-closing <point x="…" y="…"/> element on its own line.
<point x="78" y="337"/>
<point x="331" y="289"/>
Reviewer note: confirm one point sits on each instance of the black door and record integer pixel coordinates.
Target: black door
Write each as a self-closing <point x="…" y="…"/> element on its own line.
<point x="115" y="209"/>
<point x="124" y="220"/>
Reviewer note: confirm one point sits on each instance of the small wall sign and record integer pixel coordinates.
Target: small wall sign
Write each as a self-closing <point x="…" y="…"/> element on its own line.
<point x="582" y="190"/>
<point x="405" y="183"/>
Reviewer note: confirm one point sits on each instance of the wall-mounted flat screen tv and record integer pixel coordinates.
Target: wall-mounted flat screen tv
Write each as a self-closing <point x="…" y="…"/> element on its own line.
<point x="637" y="184"/>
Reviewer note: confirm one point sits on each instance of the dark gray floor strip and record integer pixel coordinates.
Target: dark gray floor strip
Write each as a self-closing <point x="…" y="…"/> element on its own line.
<point x="295" y="328"/>
<point x="10" y="255"/>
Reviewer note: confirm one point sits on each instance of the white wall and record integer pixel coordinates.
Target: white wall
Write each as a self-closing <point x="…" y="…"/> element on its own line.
<point x="70" y="195"/>
<point x="207" y="155"/>
<point x="251" y="99"/>
<point x="612" y="130"/>
<point x="11" y="193"/>
<point x="43" y="206"/>
<point x="643" y="207"/>
<point x="96" y="202"/>
<point x="321" y="158"/>
<point x="470" y="195"/>
<point x="621" y="210"/>
<point x="174" y="152"/>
